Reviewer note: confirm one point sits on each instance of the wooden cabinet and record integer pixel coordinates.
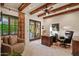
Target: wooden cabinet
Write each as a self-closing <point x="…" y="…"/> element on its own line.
<point x="45" y="40"/>
<point x="75" y="46"/>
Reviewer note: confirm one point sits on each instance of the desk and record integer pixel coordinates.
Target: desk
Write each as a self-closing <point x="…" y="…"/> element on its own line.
<point x="46" y="40"/>
<point x="75" y="46"/>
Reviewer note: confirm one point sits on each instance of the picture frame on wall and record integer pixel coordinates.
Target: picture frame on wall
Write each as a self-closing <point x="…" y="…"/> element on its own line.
<point x="55" y="27"/>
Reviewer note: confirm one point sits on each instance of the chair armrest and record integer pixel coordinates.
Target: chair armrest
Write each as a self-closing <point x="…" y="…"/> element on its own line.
<point x="6" y="48"/>
<point x="61" y="37"/>
<point x="20" y="41"/>
<point x="6" y="44"/>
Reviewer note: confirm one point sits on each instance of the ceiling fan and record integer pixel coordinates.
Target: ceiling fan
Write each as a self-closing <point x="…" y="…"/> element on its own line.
<point x="47" y="9"/>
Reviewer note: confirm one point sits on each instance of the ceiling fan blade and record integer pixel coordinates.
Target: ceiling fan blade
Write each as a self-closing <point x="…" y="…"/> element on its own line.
<point x="47" y="9"/>
<point x="50" y="8"/>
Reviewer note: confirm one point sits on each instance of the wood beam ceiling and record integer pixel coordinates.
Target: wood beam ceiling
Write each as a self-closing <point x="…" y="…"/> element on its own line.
<point x="23" y="6"/>
<point x="60" y="8"/>
<point x="41" y="8"/>
<point x="65" y="12"/>
<point x="41" y="14"/>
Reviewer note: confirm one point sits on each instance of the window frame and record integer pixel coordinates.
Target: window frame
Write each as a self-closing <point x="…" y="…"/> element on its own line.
<point x="9" y="17"/>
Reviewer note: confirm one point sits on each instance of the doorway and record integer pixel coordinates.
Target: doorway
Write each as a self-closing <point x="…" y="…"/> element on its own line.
<point x="34" y="30"/>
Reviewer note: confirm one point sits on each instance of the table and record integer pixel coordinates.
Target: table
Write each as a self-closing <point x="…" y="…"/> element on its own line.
<point x="46" y="40"/>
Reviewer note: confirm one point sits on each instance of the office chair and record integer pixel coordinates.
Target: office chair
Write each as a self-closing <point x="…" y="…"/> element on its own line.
<point x="54" y="38"/>
<point x="67" y="38"/>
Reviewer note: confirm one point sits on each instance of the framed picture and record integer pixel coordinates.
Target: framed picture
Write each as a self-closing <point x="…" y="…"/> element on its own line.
<point x="55" y="27"/>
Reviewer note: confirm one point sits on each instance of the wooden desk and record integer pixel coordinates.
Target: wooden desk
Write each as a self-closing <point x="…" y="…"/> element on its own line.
<point x="75" y="46"/>
<point x="46" y="40"/>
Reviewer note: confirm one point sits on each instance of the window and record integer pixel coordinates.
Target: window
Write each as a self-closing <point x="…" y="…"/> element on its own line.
<point x="9" y="25"/>
<point x="5" y="26"/>
<point x="13" y="25"/>
<point x="34" y="30"/>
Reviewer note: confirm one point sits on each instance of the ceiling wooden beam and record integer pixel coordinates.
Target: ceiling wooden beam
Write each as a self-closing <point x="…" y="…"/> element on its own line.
<point x="41" y="14"/>
<point x="61" y="13"/>
<point x="23" y="6"/>
<point x="60" y="8"/>
<point x="65" y="7"/>
<point x="41" y="8"/>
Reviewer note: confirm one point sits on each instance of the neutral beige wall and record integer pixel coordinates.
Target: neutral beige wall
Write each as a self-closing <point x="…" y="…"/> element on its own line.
<point x="27" y="18"/>
<point x="68" y="20"/>
<point x="71" y="20"/>
<point x="9" y="12"/>
<point x="27" y="42"/>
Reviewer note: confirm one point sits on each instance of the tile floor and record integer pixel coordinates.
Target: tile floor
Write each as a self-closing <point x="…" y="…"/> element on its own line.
<point x="37" y="49"/>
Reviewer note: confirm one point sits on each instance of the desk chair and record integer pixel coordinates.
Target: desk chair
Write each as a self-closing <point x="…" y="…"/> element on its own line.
<point x="67" y="39"/>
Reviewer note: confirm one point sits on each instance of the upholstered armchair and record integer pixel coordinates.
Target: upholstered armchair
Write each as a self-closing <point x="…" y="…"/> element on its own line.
<point x="12" y="44"/>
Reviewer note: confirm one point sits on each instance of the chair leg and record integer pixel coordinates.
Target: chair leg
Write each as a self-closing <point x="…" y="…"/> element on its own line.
<point x="63" y="45"/>
<point x="66" y="46"/>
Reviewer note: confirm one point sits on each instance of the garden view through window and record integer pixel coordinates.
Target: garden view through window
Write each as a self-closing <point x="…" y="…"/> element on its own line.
<point x="8" y="25"/>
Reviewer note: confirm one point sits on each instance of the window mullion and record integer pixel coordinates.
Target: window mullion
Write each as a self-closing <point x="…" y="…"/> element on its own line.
<point x="1" y="24"/>
<point x="9" y="25"/>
